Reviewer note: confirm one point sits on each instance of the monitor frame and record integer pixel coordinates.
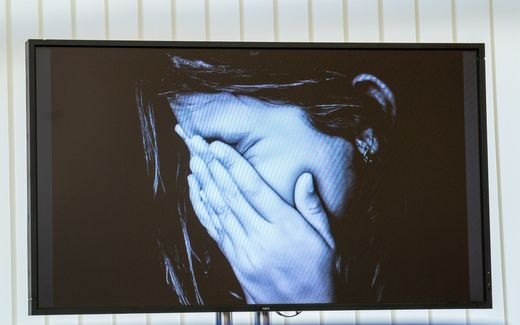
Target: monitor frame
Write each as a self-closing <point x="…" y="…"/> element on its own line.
<point x="32" y="44"/>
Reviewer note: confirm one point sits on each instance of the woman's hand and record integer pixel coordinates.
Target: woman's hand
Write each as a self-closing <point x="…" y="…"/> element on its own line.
<point x="280" y="254"/>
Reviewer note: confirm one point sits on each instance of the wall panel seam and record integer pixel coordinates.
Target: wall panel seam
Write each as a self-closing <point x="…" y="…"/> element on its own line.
<point x="140" y="31"/>
<point x="73" y="19"/>
<point x="497" y="155"/>
<point x="107" y="20"/>
<point x="417" y="21"/>
<point x="380" y="20"/>
<point x="40" y="19"/>
<point x="454" y="20"/>
<point x="276" y="21"/>
<point x="310" y="22"/>
<point x="173" y="19"/>
<point x="345" y="19"/>
<point x="207" y="21"/>
<point x="10" y="133"/>
<point x="241" y="19"/>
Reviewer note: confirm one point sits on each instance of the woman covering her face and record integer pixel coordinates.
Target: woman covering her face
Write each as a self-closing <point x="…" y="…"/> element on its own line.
<point x="276" y="183"/>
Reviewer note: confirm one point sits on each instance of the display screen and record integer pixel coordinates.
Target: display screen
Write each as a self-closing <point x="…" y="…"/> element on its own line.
<point x="187" y="177"/>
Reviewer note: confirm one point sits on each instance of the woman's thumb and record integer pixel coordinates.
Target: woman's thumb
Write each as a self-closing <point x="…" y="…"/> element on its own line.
<point x="309" y="205"/>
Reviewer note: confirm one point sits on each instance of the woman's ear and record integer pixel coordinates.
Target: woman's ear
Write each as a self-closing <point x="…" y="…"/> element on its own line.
<point x="367" y="144"/>
<point x="375" y="88"/>
<point x="380" y="116"/>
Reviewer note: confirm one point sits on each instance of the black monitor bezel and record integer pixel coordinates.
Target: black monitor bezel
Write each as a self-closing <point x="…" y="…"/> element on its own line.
<point x="35" y="309"/>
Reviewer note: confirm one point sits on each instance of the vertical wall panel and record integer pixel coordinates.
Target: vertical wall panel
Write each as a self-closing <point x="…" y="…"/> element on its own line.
<point x="416" y="317"/>
<point x="436" y="26"/>
<point x="190" y="20"/>
<point x="292" y="20"/>
<point x="399" y="20"/>
<point x="304" y="318"/>
<point x="63" y="320"/>
<point x="327" y="21"/>
<point x="164" y="319"/>
<point x="56" y="19"/>
<point x="371" y="317"/>
<point x="506" y="21"/>
<point x="6" y="304"/>
<point x="435" y="21"/>
<point x="242" y="318"/>
<point x="157" y="19"/>
<point x="363" y="21"/>
<point x="334" y="317"/>
<point x="24" y="25"/>
<point x="130" y="319"/>
<point x="224" y="20"/>
<point x="258" y="23"/>
<point x="90" y="19"/>
<point x="198" y="319"/>
<point x="123" y="22"/>
<point x="276" y="319"/>
<point x="474" y="25"/>
<point x="97" y="320"/>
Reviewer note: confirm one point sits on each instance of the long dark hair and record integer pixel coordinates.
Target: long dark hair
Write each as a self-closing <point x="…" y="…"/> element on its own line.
<point x="337" y="103"/>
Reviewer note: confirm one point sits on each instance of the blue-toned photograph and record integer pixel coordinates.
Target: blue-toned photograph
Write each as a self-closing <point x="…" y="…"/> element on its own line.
<point x="230" y="177"/>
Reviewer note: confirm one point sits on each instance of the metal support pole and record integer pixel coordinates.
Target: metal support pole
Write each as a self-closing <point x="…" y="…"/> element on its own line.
<point x="224" y="318"/>
<point x="261" y="318"/>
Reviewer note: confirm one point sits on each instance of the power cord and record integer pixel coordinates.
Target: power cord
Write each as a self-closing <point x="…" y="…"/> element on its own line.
<point x="296" y="313"/>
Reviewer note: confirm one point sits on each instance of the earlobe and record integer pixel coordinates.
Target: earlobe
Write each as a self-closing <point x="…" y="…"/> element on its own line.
<point x="367" y="144"/>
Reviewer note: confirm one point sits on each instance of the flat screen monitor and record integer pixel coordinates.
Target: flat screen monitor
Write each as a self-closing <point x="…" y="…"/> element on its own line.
<point x="187" y="176"/>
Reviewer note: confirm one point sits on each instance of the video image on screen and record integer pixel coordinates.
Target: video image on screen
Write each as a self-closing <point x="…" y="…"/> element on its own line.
<point x="235" y="177"/>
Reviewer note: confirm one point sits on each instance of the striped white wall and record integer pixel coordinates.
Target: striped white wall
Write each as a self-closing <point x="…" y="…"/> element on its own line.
<point x="494" y="22"/>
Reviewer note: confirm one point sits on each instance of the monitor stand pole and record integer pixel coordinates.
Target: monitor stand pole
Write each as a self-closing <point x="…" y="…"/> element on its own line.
<point x="261" y="318"/>
<point x="224" y="318"/>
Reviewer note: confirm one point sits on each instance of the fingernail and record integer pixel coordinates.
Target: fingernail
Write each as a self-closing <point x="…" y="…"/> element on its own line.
<point x="202" y="148"/>
<point x="199" y="142"/>
<point x="216" y="150"/>
<point x="310" y="183"/>
<point x="195" y="163"/>
<point x="180" y="132"/>
<point x="203" y="196"/>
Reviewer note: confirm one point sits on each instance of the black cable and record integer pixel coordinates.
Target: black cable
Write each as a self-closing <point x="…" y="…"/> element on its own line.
<point x="296" y="313"/>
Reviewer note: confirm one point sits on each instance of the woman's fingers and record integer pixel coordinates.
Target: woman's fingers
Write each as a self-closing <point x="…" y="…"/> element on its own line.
<point x="195" y="144"/>
<point x="251" y="221"/>
<point x="201" y="172"/>
<point x="227" y="218"/>
<point x="256" y="191"/>
<point x="202" y="212"/>
<point x="210" y="220"/>
<point x="309" y="205"/>
<point x="228" y="189"/>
